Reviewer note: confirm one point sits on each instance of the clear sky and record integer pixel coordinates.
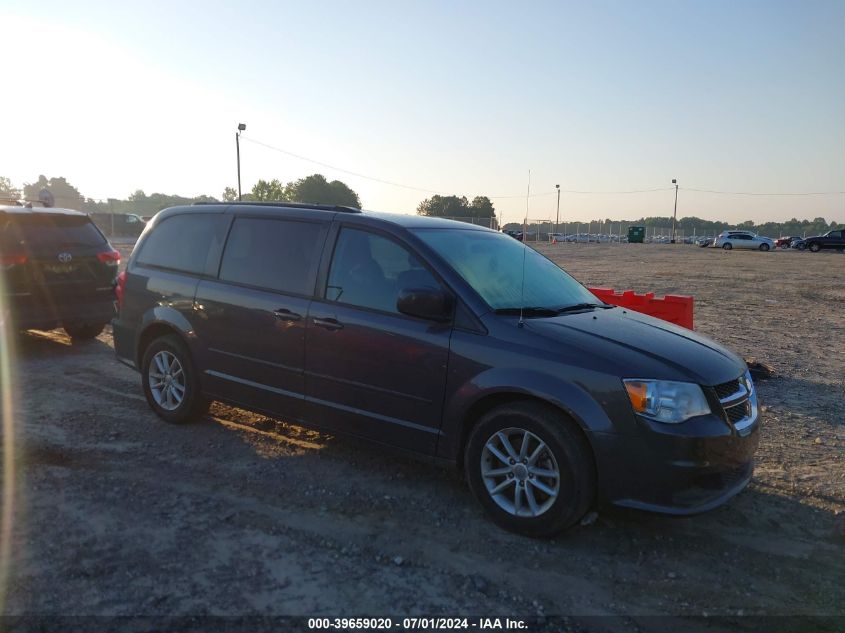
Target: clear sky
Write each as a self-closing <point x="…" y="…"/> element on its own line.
<point x="451" y="97"/>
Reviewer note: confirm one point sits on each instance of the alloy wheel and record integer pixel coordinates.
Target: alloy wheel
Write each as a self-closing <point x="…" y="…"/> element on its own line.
<point x="167" y="380"/>
<point x="520" y="472"/>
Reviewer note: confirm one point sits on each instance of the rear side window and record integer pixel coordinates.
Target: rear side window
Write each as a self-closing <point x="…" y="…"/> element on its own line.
<point x="183" y="242"/>
<point x="280" y="255"/>
<point x="24" y="230"/>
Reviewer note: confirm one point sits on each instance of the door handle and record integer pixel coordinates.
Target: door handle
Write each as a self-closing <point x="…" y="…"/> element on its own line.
<point x="286" y="315"/>
<point x="328" y="322"/>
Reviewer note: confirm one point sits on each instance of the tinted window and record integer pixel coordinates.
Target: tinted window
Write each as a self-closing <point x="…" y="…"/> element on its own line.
<point x="369" y="271"/>
<point x="506" y="273"/>
<point x="182" y="242"/>
<point x="273" y="254"/>
<point x="20" y="231"/>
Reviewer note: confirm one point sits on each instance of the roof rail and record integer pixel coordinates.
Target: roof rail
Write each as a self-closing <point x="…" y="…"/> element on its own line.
<point x="283" y="203"/>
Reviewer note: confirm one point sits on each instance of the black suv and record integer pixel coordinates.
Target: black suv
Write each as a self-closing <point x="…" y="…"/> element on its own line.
<point x="831" y="239"/>
<point x="57" y="269"/>
<point x="441" y="338"/>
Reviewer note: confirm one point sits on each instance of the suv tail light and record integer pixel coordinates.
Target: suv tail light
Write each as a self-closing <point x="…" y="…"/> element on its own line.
<point x="8" y="260"/>
<point x="118" y="289"/>
<point x="111" y="257"/>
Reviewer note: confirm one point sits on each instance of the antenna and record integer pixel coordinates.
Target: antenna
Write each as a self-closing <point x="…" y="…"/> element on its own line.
<point x="524" y="249"/>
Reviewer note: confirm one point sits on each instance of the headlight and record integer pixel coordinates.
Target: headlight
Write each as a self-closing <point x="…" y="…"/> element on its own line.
<point x="665" y="401"/>
<point x="747" y="382"/>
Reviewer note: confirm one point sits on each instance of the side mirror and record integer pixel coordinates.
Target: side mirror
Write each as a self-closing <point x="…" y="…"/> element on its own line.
<point x="432" y="304"/>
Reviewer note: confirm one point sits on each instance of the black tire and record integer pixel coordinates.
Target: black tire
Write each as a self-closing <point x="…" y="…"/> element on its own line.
<point x="814" y="247"/>
<point x="193" y="404"/>
<point x="801" y="246"/>
<point x="727" y="246"/>
<point x="84" y="332"/>
<point x="764" y="247"/>
<point x="566" y="445"/>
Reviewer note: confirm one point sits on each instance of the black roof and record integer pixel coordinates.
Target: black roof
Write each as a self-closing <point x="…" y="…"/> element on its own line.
<point x="20" y="210"/>
<point x="289" y="205"/>
<point x="410" y="221"/>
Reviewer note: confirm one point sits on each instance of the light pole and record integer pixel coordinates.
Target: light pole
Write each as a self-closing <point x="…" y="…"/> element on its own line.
<point x="675" y="214"/>
<point x="241" y="128"/>
<point x="557" y="217"/>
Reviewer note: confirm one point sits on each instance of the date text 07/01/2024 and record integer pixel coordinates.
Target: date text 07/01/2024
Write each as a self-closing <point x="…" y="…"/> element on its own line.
<point x="420" y="623"/>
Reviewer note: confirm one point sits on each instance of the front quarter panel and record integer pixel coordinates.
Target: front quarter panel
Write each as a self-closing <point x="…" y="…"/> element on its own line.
<point x="480" y="368"/>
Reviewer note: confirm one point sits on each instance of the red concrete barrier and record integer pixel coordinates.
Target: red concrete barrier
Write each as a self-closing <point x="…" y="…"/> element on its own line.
<point x="676" y="309"/>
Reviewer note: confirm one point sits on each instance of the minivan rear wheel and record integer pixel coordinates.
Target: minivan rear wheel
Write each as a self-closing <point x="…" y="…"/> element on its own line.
<point x="170" y="381"/>
<point x="530" y="468"/>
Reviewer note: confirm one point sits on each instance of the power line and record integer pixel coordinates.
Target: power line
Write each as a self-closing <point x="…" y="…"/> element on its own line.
<point x="760" y="193"/>
<point x="434" y="191"/>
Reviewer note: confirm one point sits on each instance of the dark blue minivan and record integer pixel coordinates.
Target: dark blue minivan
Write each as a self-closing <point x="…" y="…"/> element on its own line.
<point x="441" y="338"/>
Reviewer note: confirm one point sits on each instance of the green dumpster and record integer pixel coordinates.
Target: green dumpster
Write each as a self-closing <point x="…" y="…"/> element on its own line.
<point x="636" y="234"/>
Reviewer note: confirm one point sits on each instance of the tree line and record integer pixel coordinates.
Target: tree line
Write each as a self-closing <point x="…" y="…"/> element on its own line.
<point x="314" y="189"/>
<point x="317" y="189"/>
<point x="687" y="226"/>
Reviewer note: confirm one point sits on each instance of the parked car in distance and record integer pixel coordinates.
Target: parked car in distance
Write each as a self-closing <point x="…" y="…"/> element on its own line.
<point x="124" y="224"/>
<point x="832" y="239"/>
<point x="743" y="239"/>
<point x="58" y="271"/>
<point x="517" y="235"/>
<point x="786" y="241"/>
<point x="443" y="339"/>
<point x="705" y="241"/>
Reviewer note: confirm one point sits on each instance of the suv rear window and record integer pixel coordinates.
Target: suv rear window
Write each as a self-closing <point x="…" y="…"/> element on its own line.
<point x="182" y="242"/>
<point x="45" y="229"/>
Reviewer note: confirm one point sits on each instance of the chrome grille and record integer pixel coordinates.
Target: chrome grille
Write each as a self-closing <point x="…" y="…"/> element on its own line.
<point x="738" y="412"/>
<point x="738" y="403"/>
<point x="727" y="389"/>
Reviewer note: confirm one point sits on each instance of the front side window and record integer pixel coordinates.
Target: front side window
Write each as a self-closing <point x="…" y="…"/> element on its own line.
<point x="493" y="264"/>
<point x="279" y="255"/>
<point x="369" y="271"/>
<point x="182" y="242"/>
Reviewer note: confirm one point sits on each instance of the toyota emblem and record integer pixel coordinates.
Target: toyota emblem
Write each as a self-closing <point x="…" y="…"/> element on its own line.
<point x="65" y="257"/>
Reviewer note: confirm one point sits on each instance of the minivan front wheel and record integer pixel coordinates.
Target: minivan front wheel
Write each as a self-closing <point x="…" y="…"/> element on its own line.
<point x="530" y="468"/>
<point x="170" y="381"/>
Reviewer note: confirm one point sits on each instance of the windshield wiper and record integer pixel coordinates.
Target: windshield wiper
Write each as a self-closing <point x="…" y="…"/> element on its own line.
<point x="580" y="306"/>
<point x="533" y="311"/>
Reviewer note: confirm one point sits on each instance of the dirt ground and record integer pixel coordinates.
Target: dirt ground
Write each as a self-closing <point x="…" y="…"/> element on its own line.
<point x="119" y="513"/>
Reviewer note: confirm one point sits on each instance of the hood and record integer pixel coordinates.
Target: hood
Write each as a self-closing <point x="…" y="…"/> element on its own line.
<point x="634" y="345"/>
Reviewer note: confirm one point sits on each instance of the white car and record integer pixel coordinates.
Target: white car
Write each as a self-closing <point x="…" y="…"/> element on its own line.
<point x="743" y="239"/>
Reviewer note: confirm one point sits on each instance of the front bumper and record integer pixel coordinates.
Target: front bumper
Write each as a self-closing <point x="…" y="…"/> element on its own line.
<point x="678" y="469"/>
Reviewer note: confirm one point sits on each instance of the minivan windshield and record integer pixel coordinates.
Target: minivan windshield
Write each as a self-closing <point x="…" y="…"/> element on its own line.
<point x="492" y="263"/>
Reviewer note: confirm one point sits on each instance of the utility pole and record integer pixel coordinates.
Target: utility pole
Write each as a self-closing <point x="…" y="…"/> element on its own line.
<point x="241" y="128"/>
<point x="557" y="217"/>
<point x="675" y="214"/>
